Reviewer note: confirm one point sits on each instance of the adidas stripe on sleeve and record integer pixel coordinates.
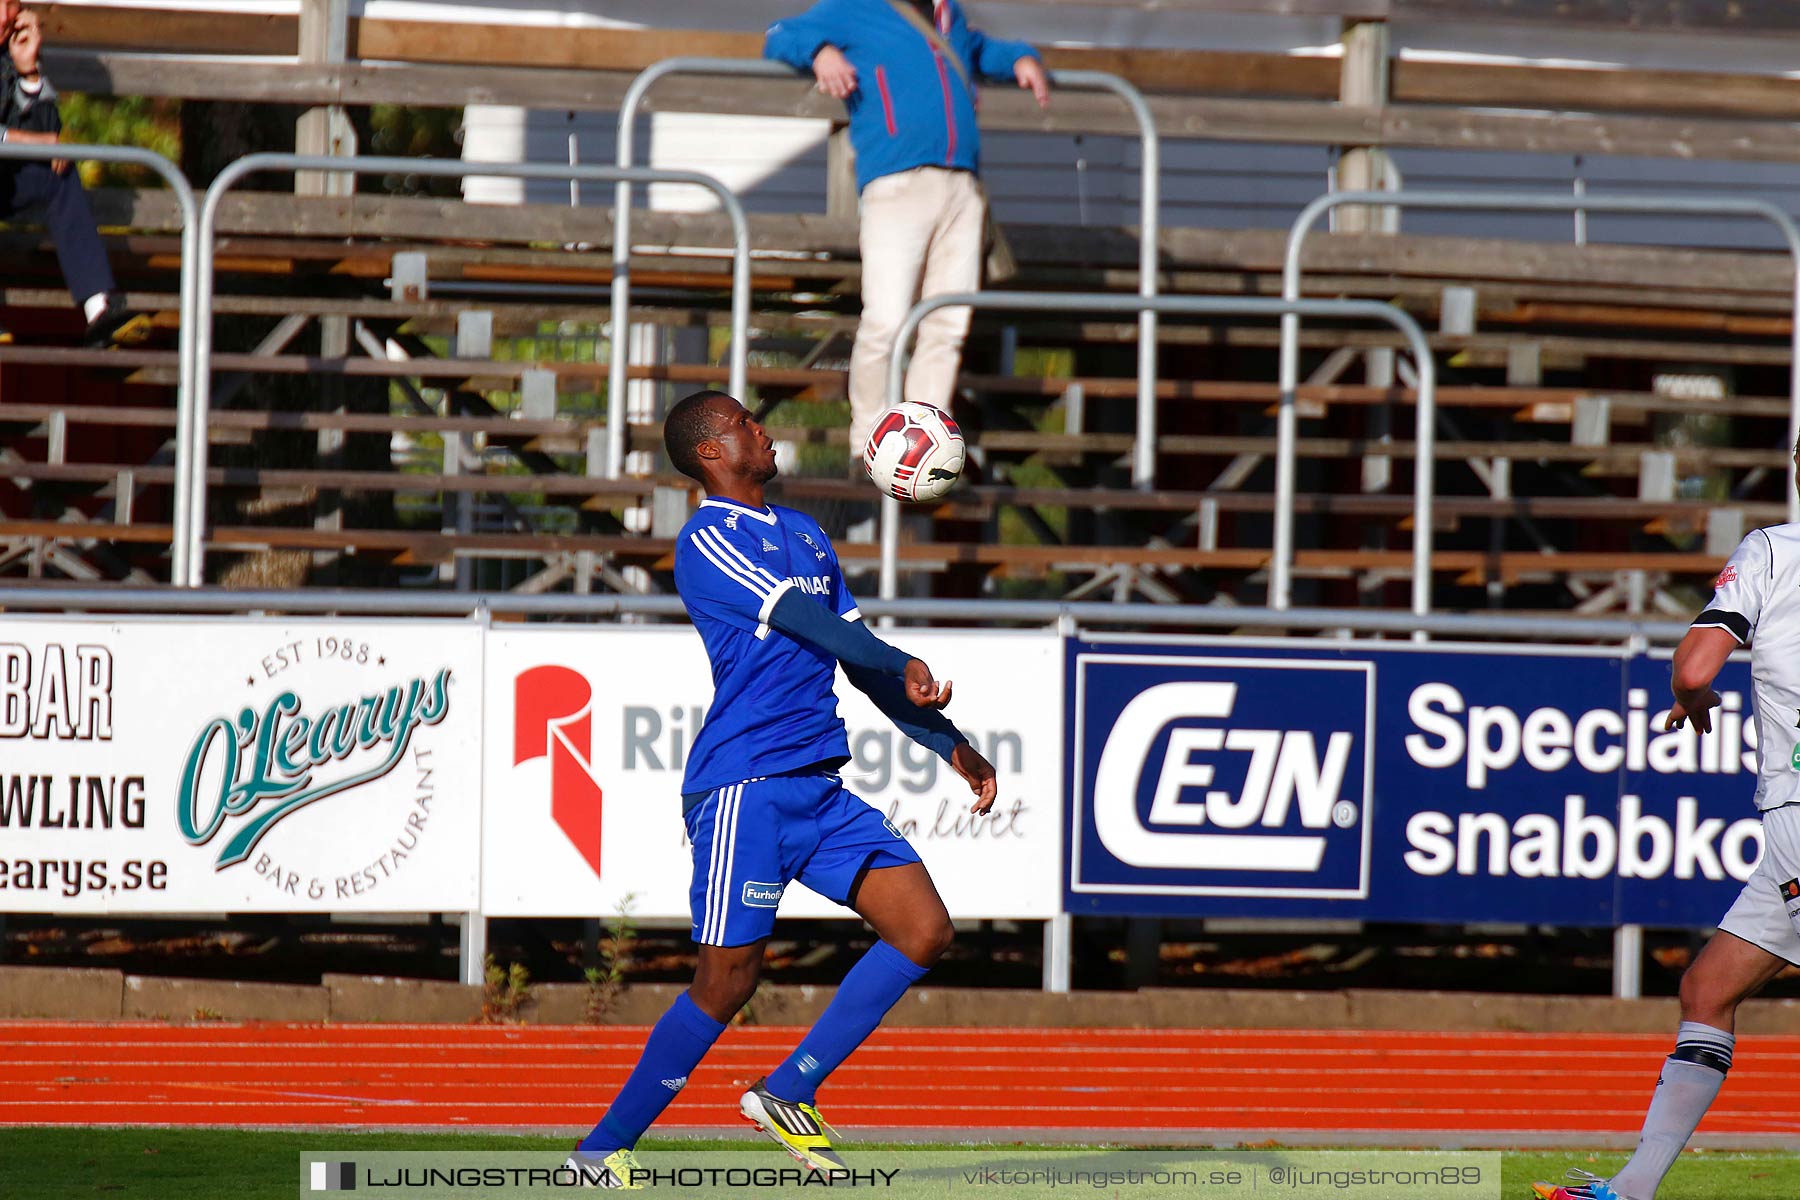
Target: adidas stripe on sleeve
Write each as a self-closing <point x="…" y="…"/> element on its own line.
<point x="724" y="572"/>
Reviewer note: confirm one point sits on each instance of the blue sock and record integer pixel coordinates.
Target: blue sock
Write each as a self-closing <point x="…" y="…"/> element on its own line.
<point x="677" y="1044"/>
<point x="874" y="985"/>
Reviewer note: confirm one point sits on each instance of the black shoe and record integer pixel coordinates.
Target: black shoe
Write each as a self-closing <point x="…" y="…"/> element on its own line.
<point x="115" y="324"/>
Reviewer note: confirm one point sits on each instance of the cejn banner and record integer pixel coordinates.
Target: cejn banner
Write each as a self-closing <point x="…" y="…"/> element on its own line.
<point x="169" y="765"/>
<point x="1400" y="783"/>
<point x="588" y="731"/>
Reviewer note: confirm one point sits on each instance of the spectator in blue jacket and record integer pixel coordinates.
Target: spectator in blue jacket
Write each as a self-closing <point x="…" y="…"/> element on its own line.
<point x="29" y="114"/>
<point x="905" y="71"/>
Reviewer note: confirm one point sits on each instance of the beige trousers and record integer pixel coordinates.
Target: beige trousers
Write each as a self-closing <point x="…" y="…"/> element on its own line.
<point x="921" y="236"/>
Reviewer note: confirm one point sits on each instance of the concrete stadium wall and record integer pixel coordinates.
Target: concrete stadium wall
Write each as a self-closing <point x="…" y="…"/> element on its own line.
<point x="99" y="995"/>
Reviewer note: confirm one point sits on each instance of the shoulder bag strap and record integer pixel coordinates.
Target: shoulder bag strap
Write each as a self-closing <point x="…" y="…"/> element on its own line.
<point x="912" y="17"/>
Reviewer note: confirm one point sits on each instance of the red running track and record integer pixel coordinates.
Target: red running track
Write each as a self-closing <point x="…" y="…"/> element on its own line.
<point x="1128" y="1081"/>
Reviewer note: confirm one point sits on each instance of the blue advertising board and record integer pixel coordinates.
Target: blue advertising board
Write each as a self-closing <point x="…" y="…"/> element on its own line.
<point x="1393" y="782"/>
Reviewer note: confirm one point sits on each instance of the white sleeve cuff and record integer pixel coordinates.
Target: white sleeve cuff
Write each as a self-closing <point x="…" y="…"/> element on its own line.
<point x="768" y="606"/>
<point x="769" y="601"/>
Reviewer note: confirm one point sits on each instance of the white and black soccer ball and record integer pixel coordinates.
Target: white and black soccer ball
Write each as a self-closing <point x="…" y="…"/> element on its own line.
<point x="915" y="452"/>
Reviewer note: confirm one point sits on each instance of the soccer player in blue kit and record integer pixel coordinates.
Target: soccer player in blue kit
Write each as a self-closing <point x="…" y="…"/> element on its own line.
<point x="762" y="799"/>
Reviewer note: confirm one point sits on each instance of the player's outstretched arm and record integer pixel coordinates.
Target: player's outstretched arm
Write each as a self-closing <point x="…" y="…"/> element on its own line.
<point x="929" y="727"/>
<point x="1728" y="622"/>
<point x="901" y="686"/>
<point x="1697" y="663"/>
<point x="978" y="773"/>
<point x="848" y="641"/>
<point x="924" y="690"/>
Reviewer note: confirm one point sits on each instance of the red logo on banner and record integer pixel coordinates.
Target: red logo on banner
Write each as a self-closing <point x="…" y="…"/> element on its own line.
<point x="552" y="716"/>
<point x="1728" y="575"/>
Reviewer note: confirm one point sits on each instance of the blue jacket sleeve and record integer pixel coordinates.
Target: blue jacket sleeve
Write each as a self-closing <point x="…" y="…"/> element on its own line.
<point x="928" y="727"/>
<point x="796" y="40"/>
<point x="990" y="56"/>
<point x="844" y="638"/>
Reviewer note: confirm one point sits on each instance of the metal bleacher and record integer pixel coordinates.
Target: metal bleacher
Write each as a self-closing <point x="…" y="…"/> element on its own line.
<point x="1611" y="417"/>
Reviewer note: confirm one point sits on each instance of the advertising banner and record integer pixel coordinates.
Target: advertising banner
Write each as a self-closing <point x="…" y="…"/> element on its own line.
<point x="588" y="731"/>
<point x="239" y="765"/>
<point x="1401" y="783"/>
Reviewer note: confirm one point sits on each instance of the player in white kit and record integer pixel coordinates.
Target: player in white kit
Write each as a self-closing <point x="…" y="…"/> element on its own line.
<point x="1756" y="603"/>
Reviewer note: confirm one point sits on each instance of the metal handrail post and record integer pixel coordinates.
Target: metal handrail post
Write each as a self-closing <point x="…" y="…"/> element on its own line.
<point x="1286" y="427"/>
<point x="190" y="236"/>
<point x="1377" y="310"/>
<point x="443" y="167"/>
<point x="1143" y="451"/>
<point x="625" y="150"/>
<point x="1143" y="458"/>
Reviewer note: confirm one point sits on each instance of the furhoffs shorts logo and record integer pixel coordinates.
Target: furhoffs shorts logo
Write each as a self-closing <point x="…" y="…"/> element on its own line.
<point x="763" y="895"/>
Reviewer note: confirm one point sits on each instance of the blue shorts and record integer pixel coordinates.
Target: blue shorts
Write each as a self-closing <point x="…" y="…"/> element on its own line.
<point x="752" y="839"/>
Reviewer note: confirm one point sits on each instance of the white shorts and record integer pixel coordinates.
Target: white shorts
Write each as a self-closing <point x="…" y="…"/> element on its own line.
<point x="1769" y="906"/>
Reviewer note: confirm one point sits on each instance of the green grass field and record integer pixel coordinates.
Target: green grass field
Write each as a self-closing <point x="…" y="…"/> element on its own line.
<point x="208" y="1164"/>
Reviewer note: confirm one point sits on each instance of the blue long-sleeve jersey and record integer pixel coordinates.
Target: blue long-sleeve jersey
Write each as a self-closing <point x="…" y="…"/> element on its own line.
<point x="773" y="708"/>
<point x="910" y="108"/>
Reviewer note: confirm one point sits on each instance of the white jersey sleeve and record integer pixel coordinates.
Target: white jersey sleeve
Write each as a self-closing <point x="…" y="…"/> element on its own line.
<point x="1742" y="589"/>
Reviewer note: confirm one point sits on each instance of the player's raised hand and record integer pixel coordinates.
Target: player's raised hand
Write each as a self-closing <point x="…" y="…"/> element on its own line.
<point x="922" y="689"/>
<point x="978" y="772"/>
<point x="835" y="75"/>
<point x="1698" y="711"/>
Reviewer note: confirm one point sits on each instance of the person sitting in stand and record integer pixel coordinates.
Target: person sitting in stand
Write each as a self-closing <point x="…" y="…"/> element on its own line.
<point x="29" y="116"/>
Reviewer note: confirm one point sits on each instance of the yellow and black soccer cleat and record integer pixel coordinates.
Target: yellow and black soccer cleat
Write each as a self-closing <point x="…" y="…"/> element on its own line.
<point x="799" y="1128"/>
<point x="611" y="1171"/>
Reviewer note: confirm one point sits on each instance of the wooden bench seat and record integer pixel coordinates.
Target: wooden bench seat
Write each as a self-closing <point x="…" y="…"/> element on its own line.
<point x="648" y="435"/>
<point x="1529" y="405"/>
<point x="969" y="503"/>
<point x="571" y="436"/>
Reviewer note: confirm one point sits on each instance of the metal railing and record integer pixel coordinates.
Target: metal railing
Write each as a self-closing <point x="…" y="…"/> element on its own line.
<point x="1287" y="421"/>
<point x="1143" y="453"/>
<point x="1086" y="614"/>
<point x="1143" y="471"/>
<point x="190" y="493"/>
<point x="624" y="152"/>
<point x="1197" y="306"/>
<point x="188" y="370"/>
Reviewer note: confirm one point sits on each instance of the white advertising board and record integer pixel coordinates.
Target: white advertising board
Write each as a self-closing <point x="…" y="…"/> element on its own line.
<point x="588" y="731"/>
<point x="239" y="765"/>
